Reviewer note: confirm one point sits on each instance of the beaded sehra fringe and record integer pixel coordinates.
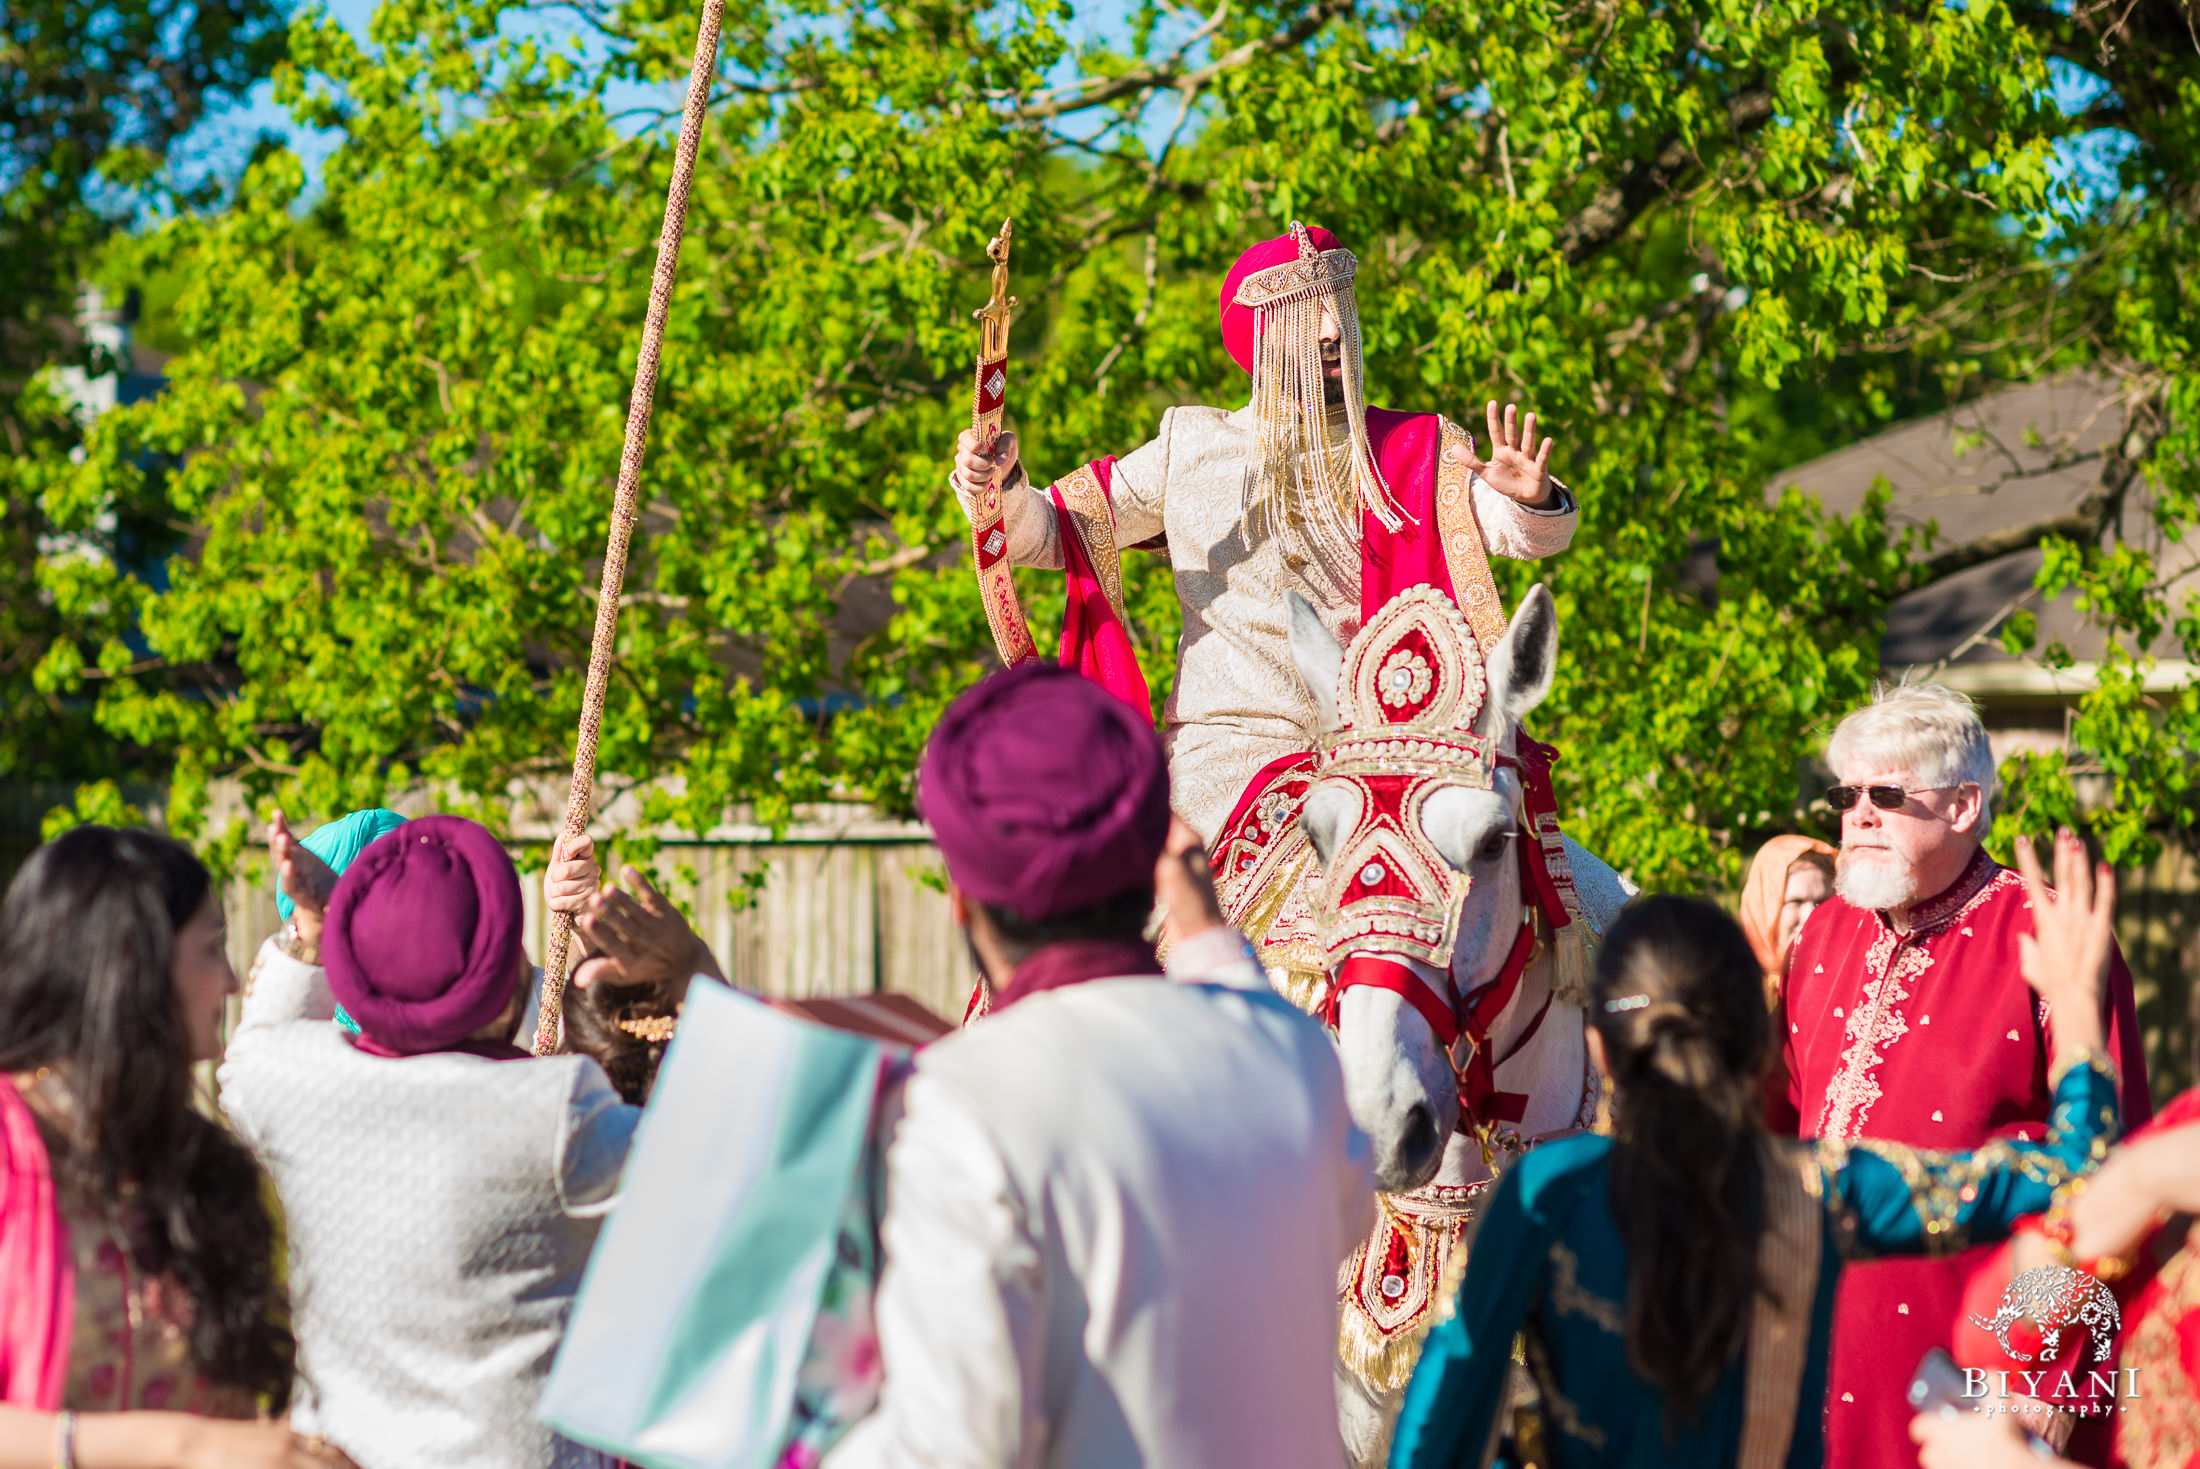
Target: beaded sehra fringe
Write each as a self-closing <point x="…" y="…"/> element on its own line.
<point x="1298" y="466"/>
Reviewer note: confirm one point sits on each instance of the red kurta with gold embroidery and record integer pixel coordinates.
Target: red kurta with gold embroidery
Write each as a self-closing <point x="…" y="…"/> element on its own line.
<point x="1931" y="1039"/>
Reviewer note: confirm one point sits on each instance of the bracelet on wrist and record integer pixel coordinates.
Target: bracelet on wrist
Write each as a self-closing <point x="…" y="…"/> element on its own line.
<point x="64" y="1440"/>
<point x="2092" y="1056"/>
<point x="293" y="943"/>
<point x="2060" y="1230"/>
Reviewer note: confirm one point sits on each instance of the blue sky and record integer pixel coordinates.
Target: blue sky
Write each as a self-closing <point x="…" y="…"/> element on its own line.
<point x="220" y="143"/>
<point x="223" y="140"/>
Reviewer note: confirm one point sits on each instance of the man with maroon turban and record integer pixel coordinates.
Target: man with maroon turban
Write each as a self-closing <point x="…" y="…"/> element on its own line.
<point x="1115" y="1205"/>
<point x="1305" y="489"/>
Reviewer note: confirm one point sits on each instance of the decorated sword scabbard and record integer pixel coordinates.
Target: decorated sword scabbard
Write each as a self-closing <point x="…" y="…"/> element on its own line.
<point x="988" y="527"/>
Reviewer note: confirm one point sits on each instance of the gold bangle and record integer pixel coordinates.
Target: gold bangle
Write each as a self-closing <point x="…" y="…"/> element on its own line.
<point x="2057" y="1228"/>
<point x="64" y="1440"/>
<point x="293" y="944"/>
<point x="2091" y="1056"/>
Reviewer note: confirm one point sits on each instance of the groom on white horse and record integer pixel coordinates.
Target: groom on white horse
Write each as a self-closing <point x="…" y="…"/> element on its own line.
<point x="1309" y="499"/>
<point x="1305" y="490"/>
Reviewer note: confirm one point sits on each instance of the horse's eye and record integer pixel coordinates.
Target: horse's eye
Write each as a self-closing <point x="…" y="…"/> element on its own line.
<point x="1493" y="846"/>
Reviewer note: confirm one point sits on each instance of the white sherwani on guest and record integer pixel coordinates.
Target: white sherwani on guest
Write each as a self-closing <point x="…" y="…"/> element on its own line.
<point x="1114" y="1219"/>
<point x="440" y="1210"/>
<point x="1237" y="702"/>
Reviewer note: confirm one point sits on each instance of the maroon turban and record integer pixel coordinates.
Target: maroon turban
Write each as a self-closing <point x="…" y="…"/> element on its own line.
<point x="1237" y="321"/>
<point x="1046" y="793"/>
<point x="422" y="942"/>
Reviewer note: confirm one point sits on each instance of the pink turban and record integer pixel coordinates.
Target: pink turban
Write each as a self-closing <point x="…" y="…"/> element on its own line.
<point x="1237" y="321"/>
<point x="1045" y="792"/>
<point x="422" y="941"/>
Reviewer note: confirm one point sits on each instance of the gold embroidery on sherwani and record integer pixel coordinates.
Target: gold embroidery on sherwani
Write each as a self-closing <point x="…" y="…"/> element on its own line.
<point x="1896" y="962"/>
<point x="1087" y="503"/>
<point x="1465" y="554"/>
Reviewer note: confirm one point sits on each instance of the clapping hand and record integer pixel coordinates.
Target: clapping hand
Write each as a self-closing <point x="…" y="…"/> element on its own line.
<point x="2066" y="956"/>
<point x="1185" y="886"/>
<point x="304" y="878"/>
<point x="640" y="939"/>
<point x="1519" y="466"/>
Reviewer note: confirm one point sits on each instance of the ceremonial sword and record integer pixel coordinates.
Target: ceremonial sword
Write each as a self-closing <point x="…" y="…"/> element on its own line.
<point x="988" y="529"/>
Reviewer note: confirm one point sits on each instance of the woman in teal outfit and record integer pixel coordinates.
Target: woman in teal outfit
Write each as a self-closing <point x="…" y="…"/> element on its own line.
<point x="1673" y="1284"/>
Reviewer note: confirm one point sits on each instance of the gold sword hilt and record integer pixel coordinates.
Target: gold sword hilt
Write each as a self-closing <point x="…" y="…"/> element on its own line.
<point x="994" y="316"/>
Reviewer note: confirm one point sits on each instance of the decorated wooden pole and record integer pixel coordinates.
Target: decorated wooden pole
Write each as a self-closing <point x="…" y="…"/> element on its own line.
<point x="549" y="1033"/>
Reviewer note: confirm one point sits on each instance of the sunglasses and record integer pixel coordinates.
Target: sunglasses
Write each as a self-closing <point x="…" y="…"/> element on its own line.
<point x="1886" y="798"/>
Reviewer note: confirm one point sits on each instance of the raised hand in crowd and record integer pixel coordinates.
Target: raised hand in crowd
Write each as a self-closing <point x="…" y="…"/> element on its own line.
<point x="640" y="938"/>
<point x="304" y="878"/>
<point x="1519" y="466"/>
<point x="2066" y="956"/>
<point x="1184" y="885"/>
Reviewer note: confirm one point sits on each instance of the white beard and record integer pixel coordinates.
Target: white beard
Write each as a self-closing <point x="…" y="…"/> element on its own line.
<point x="1875" y="882"/>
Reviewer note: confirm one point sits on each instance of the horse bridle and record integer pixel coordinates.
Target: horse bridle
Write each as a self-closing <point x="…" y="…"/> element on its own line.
<point x="1453" y="1016"/>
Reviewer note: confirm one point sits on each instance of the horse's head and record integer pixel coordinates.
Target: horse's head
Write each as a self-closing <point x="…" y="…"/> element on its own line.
<point x="1414" y="820"/>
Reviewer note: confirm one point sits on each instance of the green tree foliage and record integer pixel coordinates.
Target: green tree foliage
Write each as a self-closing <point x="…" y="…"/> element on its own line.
<point x="2119" y="293"/>
<point x="93" y="98"/>
<point x="1703" y="239"/>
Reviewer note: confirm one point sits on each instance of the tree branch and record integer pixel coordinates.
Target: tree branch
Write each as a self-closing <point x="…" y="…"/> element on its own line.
<point x="1619" y="203"/>
<point x="2077" y="525"/>
<point x="1098" y="91"/>
<point x="2087" y="522"/>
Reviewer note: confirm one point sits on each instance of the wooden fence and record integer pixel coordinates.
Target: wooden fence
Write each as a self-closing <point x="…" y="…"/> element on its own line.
<point x="840" y="902"/>
<point x="844" y="902"/>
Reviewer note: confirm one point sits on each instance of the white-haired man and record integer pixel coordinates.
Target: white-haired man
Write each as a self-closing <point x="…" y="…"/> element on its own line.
<point x="1907" y="1021"/>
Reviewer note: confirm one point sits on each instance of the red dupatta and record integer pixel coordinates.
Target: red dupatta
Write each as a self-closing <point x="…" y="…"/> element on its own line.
<point x="1095" y="639"/>
<point x="1427" y="464"/>
<point x="37" y="1306"/>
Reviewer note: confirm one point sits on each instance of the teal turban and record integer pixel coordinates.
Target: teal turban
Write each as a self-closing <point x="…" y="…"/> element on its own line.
<point x="339" y="843"/>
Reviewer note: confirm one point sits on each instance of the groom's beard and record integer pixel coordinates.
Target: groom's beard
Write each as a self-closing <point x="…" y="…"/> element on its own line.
<point x="1332" y="387"/>
<point x="1879" y="881"/>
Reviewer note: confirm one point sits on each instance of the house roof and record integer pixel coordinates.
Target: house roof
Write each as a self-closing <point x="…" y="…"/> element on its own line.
<point x="2012" y="457"/>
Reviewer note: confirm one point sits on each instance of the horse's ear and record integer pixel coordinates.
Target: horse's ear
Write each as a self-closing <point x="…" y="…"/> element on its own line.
<point x="1523" y="664"/>
<point x="1317" y="655"/>
<point x="1329" y="815"/>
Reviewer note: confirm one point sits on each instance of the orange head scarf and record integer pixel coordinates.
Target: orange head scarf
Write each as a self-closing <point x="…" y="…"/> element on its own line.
<point x="1766" y="889"/>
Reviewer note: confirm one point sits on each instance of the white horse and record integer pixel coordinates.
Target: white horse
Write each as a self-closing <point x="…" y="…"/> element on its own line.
<point x="1403" y="1088"/>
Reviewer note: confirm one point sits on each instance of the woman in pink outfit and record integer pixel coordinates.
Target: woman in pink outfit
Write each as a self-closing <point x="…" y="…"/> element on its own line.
<point x="141" y="1306"/>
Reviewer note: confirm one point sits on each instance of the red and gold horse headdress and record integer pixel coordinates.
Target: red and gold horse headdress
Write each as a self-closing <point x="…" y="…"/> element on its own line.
<point x="1408" y="699"/>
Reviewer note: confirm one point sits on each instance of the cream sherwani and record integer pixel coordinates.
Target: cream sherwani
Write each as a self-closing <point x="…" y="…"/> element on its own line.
<point x="1237" y="702"/>
<point x="1114" y="1218"/>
